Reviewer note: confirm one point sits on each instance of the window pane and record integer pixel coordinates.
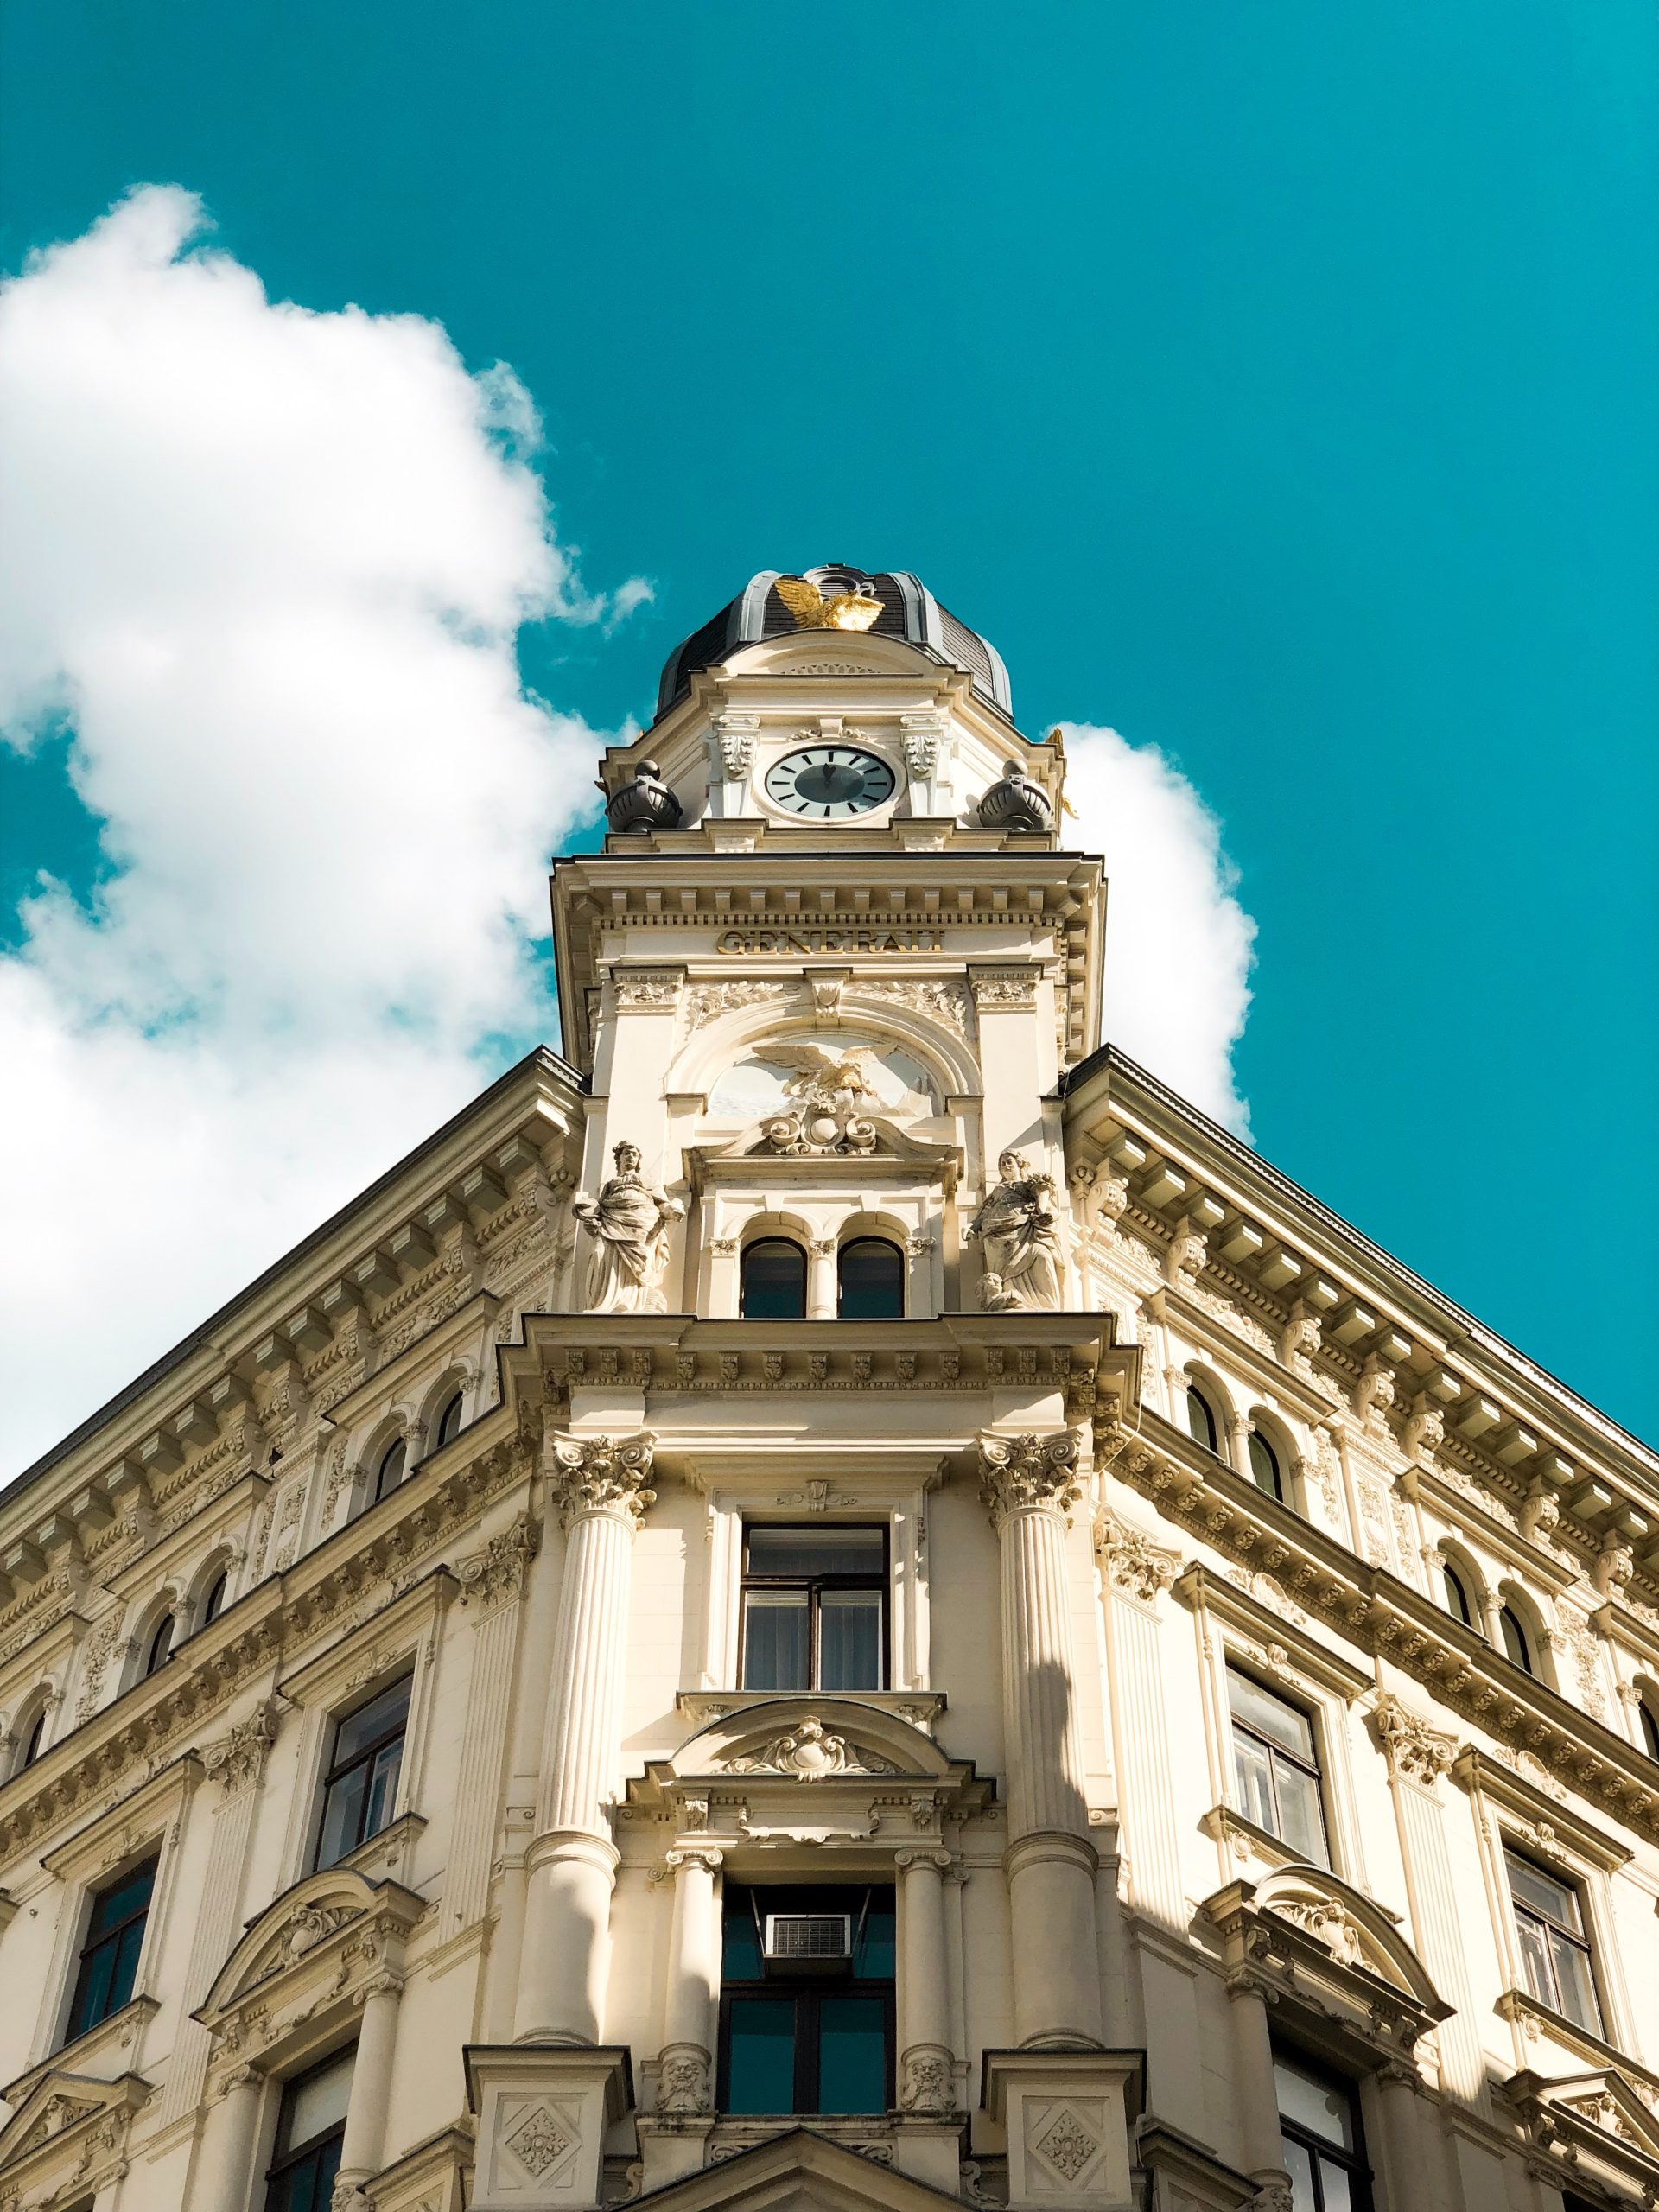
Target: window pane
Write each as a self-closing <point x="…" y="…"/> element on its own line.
<point x="383" y="1787"/>
<point x="815" y="1551"/>
<point x="773" y="1281"/>
<point x="392" y="1469"/>
<point x="872" y="1281"/>
<point x="873" y="1948"/>
<point x="1457" y="1597"/>
<point x="371" y="1721"/>
<point x="315" y="2103"/>
<point x="1532" y="1886"/>
<point x="741" y="1955"/>
<point x="1253" y="1774"/>
<point x="124" y="1972"/>
<point x="1269" y="1716"/>
<point x="214" y="1603"/>
<point x="1324" y="2108"/>
<point x="1301" y="1816"/>
<point x="93" y="2003"/>
<point x="850" y="1640"/>
<point x="342" y="1812"/>
<point x="852" y="2053"/>
<point x="775" y="1640"/>
<point x="1514" y="1639"/>
<point x="122" y="1900"/>
<point x="1335" y="2186"/>
<point x="1534" y="1958"/>
<point x="1200" y="1420"/>
<point x="1264" y="1466"/>
<point x="761" y="2062"/>
<point x="449" y="1420"/>
<point x="1298" y="2164"/>
<point x="1573" y="1979"/>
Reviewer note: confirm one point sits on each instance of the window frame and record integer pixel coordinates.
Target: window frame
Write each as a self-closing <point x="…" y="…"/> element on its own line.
<point x="815" y="1586"/>
<point x="90" y="1946"/>
<point x="1354" y="2163"/>
<point x="336" y="1769"/>
<point x="1315" y="1769"/>
<point x="1580" y="1939"/>
<point x="285" y="2163"/>
<point x="805" y="1991"/>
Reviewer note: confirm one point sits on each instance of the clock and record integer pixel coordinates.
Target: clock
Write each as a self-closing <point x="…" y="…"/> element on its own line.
<point x="828" y="783"/>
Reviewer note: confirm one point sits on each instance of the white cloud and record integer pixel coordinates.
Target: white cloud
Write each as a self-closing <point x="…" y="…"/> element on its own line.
<point x="272" y="565"/>
<point x="1178" y="945"/>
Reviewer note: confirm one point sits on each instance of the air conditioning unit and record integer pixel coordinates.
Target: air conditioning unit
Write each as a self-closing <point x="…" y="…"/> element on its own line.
<point x="809" y="1943"/>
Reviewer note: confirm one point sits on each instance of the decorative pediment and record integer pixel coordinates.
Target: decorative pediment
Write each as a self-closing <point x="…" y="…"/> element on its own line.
<point x="1602" y="2119"/>
<point x="69" y="2134"/>
<point x="823" y="1145"/>
<point x="315" y="1949"/>
<point x="801" y="2168"/>
<point x="1301" y="1928"/>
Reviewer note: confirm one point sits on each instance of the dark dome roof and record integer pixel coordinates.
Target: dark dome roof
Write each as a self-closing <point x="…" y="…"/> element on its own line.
<point x="909" y="610"/>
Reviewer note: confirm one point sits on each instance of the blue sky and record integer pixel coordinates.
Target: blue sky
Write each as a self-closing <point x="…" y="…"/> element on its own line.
<point x="1272" y="382"/>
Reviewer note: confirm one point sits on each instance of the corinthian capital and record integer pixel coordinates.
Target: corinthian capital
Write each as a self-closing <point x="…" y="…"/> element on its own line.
<point x="1028" y="1470"/>
<point x="237" y="1759"/>
<point x="1413" y="1749"/>
<point x="600" y="1474"/>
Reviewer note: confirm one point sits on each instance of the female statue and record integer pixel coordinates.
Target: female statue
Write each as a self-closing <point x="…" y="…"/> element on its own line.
<point x="629" y="1222"/>
<point x="1018" y="1227"/>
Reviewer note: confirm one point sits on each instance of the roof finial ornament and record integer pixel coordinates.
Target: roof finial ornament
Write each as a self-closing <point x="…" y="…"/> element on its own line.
<point x="842" y="610"/>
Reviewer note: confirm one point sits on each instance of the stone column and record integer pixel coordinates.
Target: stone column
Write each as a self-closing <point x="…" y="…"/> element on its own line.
<point x="686" y="2076"/>
<point x="1407" y="2167"/>
<point x="926" y="2064"/>
<point x="823" y="1289"/>
<point x="225" y="2166"/>
<point x="362" y="2150"/>
<point x="598" y="1484"/>
<point x="1030" y="1483"/>
<point x="1261" y="2146"/>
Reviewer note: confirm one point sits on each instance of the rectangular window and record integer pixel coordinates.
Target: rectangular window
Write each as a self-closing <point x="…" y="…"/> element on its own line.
<point x="1276" y="1767"/>
<point x="1319" y="2127"/>
<point x="1554" y="1949"/>
<point x="359" y="1792"/>
<point x="814" y="1609"/>
<point x="109" y="1956"/>
<point x="310" y="2132"/>
<point x="806" y="2026"/>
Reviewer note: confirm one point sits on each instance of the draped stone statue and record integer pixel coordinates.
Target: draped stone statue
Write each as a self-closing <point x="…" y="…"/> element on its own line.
<point x="629" y="1222"/>
<point x="1019" y="1231"/>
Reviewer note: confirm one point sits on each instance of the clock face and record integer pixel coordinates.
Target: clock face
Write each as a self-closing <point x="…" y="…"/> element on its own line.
<point x="827" y="783"/>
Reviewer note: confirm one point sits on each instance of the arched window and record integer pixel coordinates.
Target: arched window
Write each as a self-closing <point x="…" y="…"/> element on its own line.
<point x="1650" y="1729"/>
<point x="161" y="1645"/>
<point x="36" y="1737"/>
<point x="1264" y="1465"/>
<point x="773" y="1281"/>
<point x="1456" y="1597"/>
<point x="1199" y="1420"/>
<point x="394" y="1460"/>
<point x="213" y="1604"/>
<point x="1514" y="1639"/>
<point x="870" y="1279"/>
<point x="450" y="1421"/>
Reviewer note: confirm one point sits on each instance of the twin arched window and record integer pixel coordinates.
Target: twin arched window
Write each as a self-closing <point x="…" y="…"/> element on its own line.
<point x="869" y="1281"/>
<point x="1204" y="1428"/>
<point x="1511" y="1629"/>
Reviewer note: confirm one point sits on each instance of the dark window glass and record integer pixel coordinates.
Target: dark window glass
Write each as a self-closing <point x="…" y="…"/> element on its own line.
<point x="870" y="1276"/>
<point x="1264" y="1465"/>
<point x="1650" y="1729"/>
<point x="1275" y="1767"/>
<point x="1554" y="1950"/>
<point x="109" y="1956"/>
<point x="1200" y="1419"/>
<point x="1320" y="2130"/>
<point x="161" y="1645"/>
<point x="773" y="1281"/>
<point x="310" y="2132"/>
<point x="1515" y="1638"/>
<point x="360" y="1789"/>
<point x="450" y="1421"/>
<point x="814" y="1609"/>
<point x="213" y="1604"/>
<point x="391" y="1472"/>
<point x="1457" y="1597"/>
<point x="795" y="2039"/>
<point x="36" y="1737"/>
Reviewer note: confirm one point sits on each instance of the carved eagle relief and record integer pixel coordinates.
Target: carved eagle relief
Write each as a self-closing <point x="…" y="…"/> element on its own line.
<point x="816" y="1073"/>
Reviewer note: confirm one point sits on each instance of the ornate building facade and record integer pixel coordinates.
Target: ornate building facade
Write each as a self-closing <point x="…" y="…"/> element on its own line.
<point x="833" y="1597"/>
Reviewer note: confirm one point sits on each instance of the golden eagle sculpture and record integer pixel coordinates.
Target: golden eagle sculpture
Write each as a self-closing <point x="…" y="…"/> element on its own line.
<point x="842" y="610"/>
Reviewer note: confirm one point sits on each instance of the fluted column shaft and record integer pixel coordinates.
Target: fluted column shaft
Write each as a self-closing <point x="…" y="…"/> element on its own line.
<point x="1402" y="2122"/>
<point x="926" y="2068"/>
<point x="598" y="1484"/>
<point x="224" y="2167"/>
<point x="1261" y="2146"/>
<point x="1030" y="1484"/>
<point x="362" y="2150"/>
<point x="686" y="2068"/>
